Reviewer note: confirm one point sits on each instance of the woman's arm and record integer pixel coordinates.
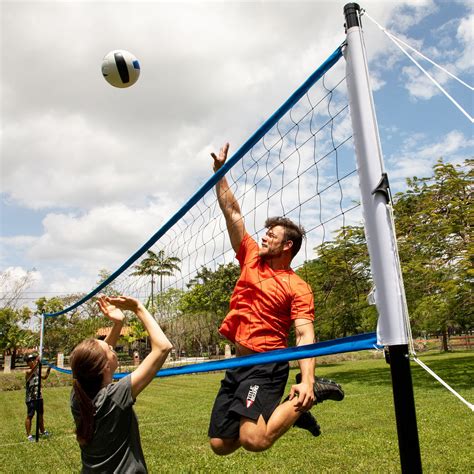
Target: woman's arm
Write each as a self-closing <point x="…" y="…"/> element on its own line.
<point x="160" y="345"/>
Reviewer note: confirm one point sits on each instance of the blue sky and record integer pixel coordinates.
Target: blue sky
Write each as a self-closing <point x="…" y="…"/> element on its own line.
<point x="89" y="172"/>
<point x="429" y="126"/>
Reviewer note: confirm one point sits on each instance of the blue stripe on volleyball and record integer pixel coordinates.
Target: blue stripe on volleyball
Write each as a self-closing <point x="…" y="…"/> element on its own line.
<point x="359" y="342"/>
<point x="136" y="64"/>
<point x="242" y="151"/>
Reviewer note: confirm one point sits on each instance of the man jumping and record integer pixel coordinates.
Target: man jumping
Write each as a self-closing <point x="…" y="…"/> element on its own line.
<point x="267" y="300"/>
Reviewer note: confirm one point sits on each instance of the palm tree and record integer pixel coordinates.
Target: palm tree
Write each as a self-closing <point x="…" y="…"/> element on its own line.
<point x="156" y="264"/>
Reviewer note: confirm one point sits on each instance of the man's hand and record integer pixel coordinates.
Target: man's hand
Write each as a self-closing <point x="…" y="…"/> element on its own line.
<point x="220" y="160"/>
<point x="305" y="394"/>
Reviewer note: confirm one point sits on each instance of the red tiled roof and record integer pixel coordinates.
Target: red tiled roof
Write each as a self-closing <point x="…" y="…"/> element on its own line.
<point x="104" y="332"/>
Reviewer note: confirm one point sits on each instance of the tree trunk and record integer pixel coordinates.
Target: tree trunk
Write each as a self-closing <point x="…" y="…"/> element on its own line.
<point x="13" y="359"/>
<point x="152" y="296"/>
<point x="445" y="340"/>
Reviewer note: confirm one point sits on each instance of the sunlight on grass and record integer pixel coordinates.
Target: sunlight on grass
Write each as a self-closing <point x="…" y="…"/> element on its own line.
<point x="359" y="434"/>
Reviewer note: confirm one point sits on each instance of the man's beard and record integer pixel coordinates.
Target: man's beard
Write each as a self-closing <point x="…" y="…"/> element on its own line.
<point x="266" y="254"/>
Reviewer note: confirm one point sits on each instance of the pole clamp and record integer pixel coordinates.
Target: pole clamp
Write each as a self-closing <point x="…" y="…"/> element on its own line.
<point x="383" y="187"/>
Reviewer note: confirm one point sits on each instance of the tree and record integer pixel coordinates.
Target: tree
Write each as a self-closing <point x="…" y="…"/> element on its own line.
<point x="432" y="220"/>
<point x="62" y="333"/>
<point x="211" y="290"/>
<point x="202" y="308"/>
<point x="340" y="280"/>
<point x="109" y="290"/>
<point x="136" y="334"/>
<point x="156" y="264"/>
<point x="435" y="241"/>
<point x="12" y="336"/>
<point x="168" y="304"/>
<point x="12" y="286"/>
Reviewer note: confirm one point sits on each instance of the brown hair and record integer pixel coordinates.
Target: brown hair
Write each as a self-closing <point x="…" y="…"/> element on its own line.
<point x="88" y="361"/>
<point x="293" y="232"/>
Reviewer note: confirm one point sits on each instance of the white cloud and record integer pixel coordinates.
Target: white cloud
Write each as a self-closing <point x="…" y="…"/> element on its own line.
<point x="411" y="13"/>
<point x="419" y="154"/>
<point x="11" y="276"/>
<point x="465" y="30"/>
<point x="465" y="34"/>
<point x="70" y="161"/>
<point x="452" y="144"/>
<point x="113" y="164"/>
<point x="376" y="81"/>
<point x="14" y="283"/>
<point x="104" y="234"/>
<point x="452" y="49"/>
<point x="209" y="72"/>
<point x="418" y="84"/>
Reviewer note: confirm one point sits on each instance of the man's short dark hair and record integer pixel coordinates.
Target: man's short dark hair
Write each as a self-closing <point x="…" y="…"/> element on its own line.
<point x="293" y="232"/>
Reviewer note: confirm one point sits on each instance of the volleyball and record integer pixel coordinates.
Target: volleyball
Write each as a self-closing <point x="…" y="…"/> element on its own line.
<point x="120" y="68"/>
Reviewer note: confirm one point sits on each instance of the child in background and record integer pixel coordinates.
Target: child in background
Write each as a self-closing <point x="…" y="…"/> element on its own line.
<point x="34" y="399"/>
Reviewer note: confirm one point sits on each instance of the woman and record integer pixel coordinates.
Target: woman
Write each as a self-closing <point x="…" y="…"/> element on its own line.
<point x="106" y="425"/>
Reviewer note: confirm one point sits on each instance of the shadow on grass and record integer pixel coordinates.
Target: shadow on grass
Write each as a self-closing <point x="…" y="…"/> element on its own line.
<point x="458" y="372"/>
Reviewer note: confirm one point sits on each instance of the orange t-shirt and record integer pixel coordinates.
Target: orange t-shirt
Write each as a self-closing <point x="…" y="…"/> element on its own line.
<point x="264" y="302"/>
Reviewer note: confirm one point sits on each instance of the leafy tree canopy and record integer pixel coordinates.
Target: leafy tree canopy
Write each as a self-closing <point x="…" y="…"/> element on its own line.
<point x="433" y="222"/>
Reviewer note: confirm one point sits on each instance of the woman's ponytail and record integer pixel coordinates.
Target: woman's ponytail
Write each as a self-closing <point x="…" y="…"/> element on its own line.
<point x="88" y="361"/>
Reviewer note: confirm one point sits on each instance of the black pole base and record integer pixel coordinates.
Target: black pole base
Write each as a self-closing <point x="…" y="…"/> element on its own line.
<point x="405" y="413"/>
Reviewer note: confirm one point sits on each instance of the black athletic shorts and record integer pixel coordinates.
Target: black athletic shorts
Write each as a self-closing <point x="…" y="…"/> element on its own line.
<point x="247" y="392"/>
<point x="34" y="405"/>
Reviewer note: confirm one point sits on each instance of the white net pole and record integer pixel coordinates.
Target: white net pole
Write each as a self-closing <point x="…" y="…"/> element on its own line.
<point x="392" y="328"/>
<point x="381" y="240"/>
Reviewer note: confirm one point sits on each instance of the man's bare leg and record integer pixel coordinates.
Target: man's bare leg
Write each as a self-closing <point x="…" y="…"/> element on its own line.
<point x="28" y="426"/>
<point x="224" y="446"/>
<point x="259" y="435"/>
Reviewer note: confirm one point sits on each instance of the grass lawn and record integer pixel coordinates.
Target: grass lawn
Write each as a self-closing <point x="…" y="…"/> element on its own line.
<point x="359" y="434"/>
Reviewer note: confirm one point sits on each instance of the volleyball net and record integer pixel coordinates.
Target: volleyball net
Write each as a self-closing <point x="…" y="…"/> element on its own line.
<point x="299" y="164"/>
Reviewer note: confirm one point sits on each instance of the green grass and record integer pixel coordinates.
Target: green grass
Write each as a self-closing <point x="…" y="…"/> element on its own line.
<point x="359" y="434"/>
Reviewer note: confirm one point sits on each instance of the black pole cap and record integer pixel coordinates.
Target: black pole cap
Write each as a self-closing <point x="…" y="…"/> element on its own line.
<point x="351" y="13"/>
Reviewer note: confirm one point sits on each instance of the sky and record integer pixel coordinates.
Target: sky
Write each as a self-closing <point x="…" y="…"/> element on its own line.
<point x="89" y="172"/>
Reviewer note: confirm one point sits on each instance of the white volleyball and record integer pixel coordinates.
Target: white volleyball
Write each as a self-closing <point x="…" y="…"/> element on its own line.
<point x="120" y="68"/>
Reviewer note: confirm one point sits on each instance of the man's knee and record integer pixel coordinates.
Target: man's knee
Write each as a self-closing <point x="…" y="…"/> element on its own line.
<point x="222" y="447"/>
<point x="254" y="436"/>
<point x="255" y="442"/>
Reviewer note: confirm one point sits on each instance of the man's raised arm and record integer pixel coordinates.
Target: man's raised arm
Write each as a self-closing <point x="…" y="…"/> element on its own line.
<point x="227" y="202"/>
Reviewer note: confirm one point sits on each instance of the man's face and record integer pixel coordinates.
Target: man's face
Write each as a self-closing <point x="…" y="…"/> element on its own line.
<point x="273" y="242"/>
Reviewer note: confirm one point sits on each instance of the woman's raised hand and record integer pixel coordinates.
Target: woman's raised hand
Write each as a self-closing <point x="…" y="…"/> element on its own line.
<point x="110" y="309"/>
